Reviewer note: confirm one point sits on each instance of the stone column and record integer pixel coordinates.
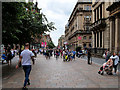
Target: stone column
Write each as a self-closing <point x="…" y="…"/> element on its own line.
<point x="112" y="36"/>
<point x="96" y="14"/>
<point x="99" y="12"/>
<point x="99" y="38"/>
<point x="77" y="22"/>
<point x="102" y="39"/>
<point x="103" y="11"/>
<point x="92" y="16"/>
<point x="96" y="40"/>
<point x="93" y="39"/>
<point x="117" y="33"/>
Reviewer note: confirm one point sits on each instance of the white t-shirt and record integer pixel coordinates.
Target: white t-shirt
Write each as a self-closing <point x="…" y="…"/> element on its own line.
<point x="26" y="57"/>
<point x="12" y="52"/>
<point x="116" y="59"/>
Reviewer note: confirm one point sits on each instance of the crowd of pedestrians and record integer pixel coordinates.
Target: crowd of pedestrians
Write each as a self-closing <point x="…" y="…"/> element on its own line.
<point x="66" y="54"/>
<point x="8" y="55"/>
<point x="27" y="57"/>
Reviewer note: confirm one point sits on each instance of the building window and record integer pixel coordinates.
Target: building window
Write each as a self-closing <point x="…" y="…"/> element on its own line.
<point x="84" y="37"/>
<point x="95" y="15"/>
<point x="98" y="13"/>
<point x="84" y="45"/>
<point x="88" y="7"/>
<point x="87" y="18"/>
<point x="90" y="45"/>
<point x="90" y="37"/>
<point x="87" y="27"/>
<point x="90" y="18"/>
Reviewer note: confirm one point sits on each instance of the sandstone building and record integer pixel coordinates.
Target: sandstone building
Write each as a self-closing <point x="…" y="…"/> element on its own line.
<point x="77" y="32"/>
<point x="61" y="41"/>
<point x="105" y="26"/>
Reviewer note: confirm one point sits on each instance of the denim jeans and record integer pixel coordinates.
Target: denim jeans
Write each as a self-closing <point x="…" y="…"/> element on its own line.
<point x="27" y="69"/>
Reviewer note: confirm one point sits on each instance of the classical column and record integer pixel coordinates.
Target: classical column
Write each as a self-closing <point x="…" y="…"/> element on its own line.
<point x="96" y="40"/>
<point x="102" y="39"/>
<point x="93" y="39"/>
<point x="99" y="12"/>
<point x="103" y="11"/>
<point x="112" y="34"/>
<point x="93" y="17"/>
<point x="99" y="38"/>
<point x="117" y="33"/>
<point x="77" y="22"/>
<point x="96" y="14"/>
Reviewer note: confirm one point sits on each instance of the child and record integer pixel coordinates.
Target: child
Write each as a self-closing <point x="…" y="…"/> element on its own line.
<point x="3" y="57"/>
<point x="108" y="64"/>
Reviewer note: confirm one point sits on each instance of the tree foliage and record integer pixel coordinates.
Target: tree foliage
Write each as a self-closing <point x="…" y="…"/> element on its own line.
<point x="50" y="45"/>
<point x="22" y="22"/>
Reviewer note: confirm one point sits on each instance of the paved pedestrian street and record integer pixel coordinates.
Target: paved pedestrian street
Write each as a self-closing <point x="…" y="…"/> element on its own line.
<point x="52" y="73"/>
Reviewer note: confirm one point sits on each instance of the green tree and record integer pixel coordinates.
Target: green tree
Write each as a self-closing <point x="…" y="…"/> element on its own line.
<point x="22" y="22"/>
<point x="50" y="45"/>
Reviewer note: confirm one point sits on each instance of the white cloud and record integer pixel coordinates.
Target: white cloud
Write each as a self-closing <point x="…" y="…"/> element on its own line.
<point x="57" y="11"/>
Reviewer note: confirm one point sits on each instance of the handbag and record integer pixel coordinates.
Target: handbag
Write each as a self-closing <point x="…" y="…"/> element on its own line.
<point x="104" y="55"/>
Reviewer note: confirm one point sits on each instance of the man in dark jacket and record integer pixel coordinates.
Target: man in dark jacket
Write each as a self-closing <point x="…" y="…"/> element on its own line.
<point x="89" y="56"/>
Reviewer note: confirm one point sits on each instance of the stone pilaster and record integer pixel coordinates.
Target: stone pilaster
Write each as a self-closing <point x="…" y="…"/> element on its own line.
<point x="117" y="33"/>
<point x="112" y="36"/>
<point x="102" y="39"/>
<point x="99" y="38"/>
<point x="93" y="39"/>
<point x="96" y="39"/>
<point x="103" y="11"/>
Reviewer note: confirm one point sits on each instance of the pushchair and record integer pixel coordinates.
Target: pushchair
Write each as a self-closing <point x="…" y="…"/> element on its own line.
<point x="65" y="57"/>
<point x="105" y="68"/>
<point x="108" y="70"/>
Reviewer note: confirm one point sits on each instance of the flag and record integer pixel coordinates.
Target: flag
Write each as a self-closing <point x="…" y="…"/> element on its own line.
<point x="79" y="38"/>
<point x="45" y="44"/>
<point x="42" y="44"/>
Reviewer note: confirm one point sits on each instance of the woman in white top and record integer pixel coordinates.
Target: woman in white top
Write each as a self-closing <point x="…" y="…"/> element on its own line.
<point x="115" y="59"/>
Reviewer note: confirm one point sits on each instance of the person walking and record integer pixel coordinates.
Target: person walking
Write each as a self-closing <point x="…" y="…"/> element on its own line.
<point x="73" y="52"/>
<point x="9" y="57"/>
<point x="89" y="56"/>
<point x="115" y="59"/>
<point x="107" y="55"/>
<point x="25" y="59"/>
<point x="57" y="54"/>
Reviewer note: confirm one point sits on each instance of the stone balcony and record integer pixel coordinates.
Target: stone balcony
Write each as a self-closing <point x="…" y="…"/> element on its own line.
<point x="79" y="32"/>
<point x="98" y="25"/>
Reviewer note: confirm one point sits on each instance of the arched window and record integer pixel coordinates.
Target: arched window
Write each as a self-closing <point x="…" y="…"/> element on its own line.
<point x="90" y="37"/>
<point x="90" y="45"/>
<point x="84" y="45"/>
<point x="84" y="37"/>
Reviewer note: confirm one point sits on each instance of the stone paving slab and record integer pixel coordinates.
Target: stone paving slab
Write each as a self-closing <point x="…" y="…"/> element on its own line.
<point x="54" y="73"/>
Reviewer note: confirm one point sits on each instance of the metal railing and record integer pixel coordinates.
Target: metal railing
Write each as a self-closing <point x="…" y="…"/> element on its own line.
<point x="98" y="51"/>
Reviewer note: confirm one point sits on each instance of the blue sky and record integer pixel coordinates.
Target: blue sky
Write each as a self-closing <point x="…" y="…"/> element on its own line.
<point x="57" y="11"/>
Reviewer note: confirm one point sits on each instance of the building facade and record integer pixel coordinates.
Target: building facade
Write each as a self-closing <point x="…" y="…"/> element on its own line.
<point x="61" y="41"/>
<point x="77" y="32"/>
<point x="41" y="41"/>
<point x="103" y="28"/>
<point x="114" y="18"/>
